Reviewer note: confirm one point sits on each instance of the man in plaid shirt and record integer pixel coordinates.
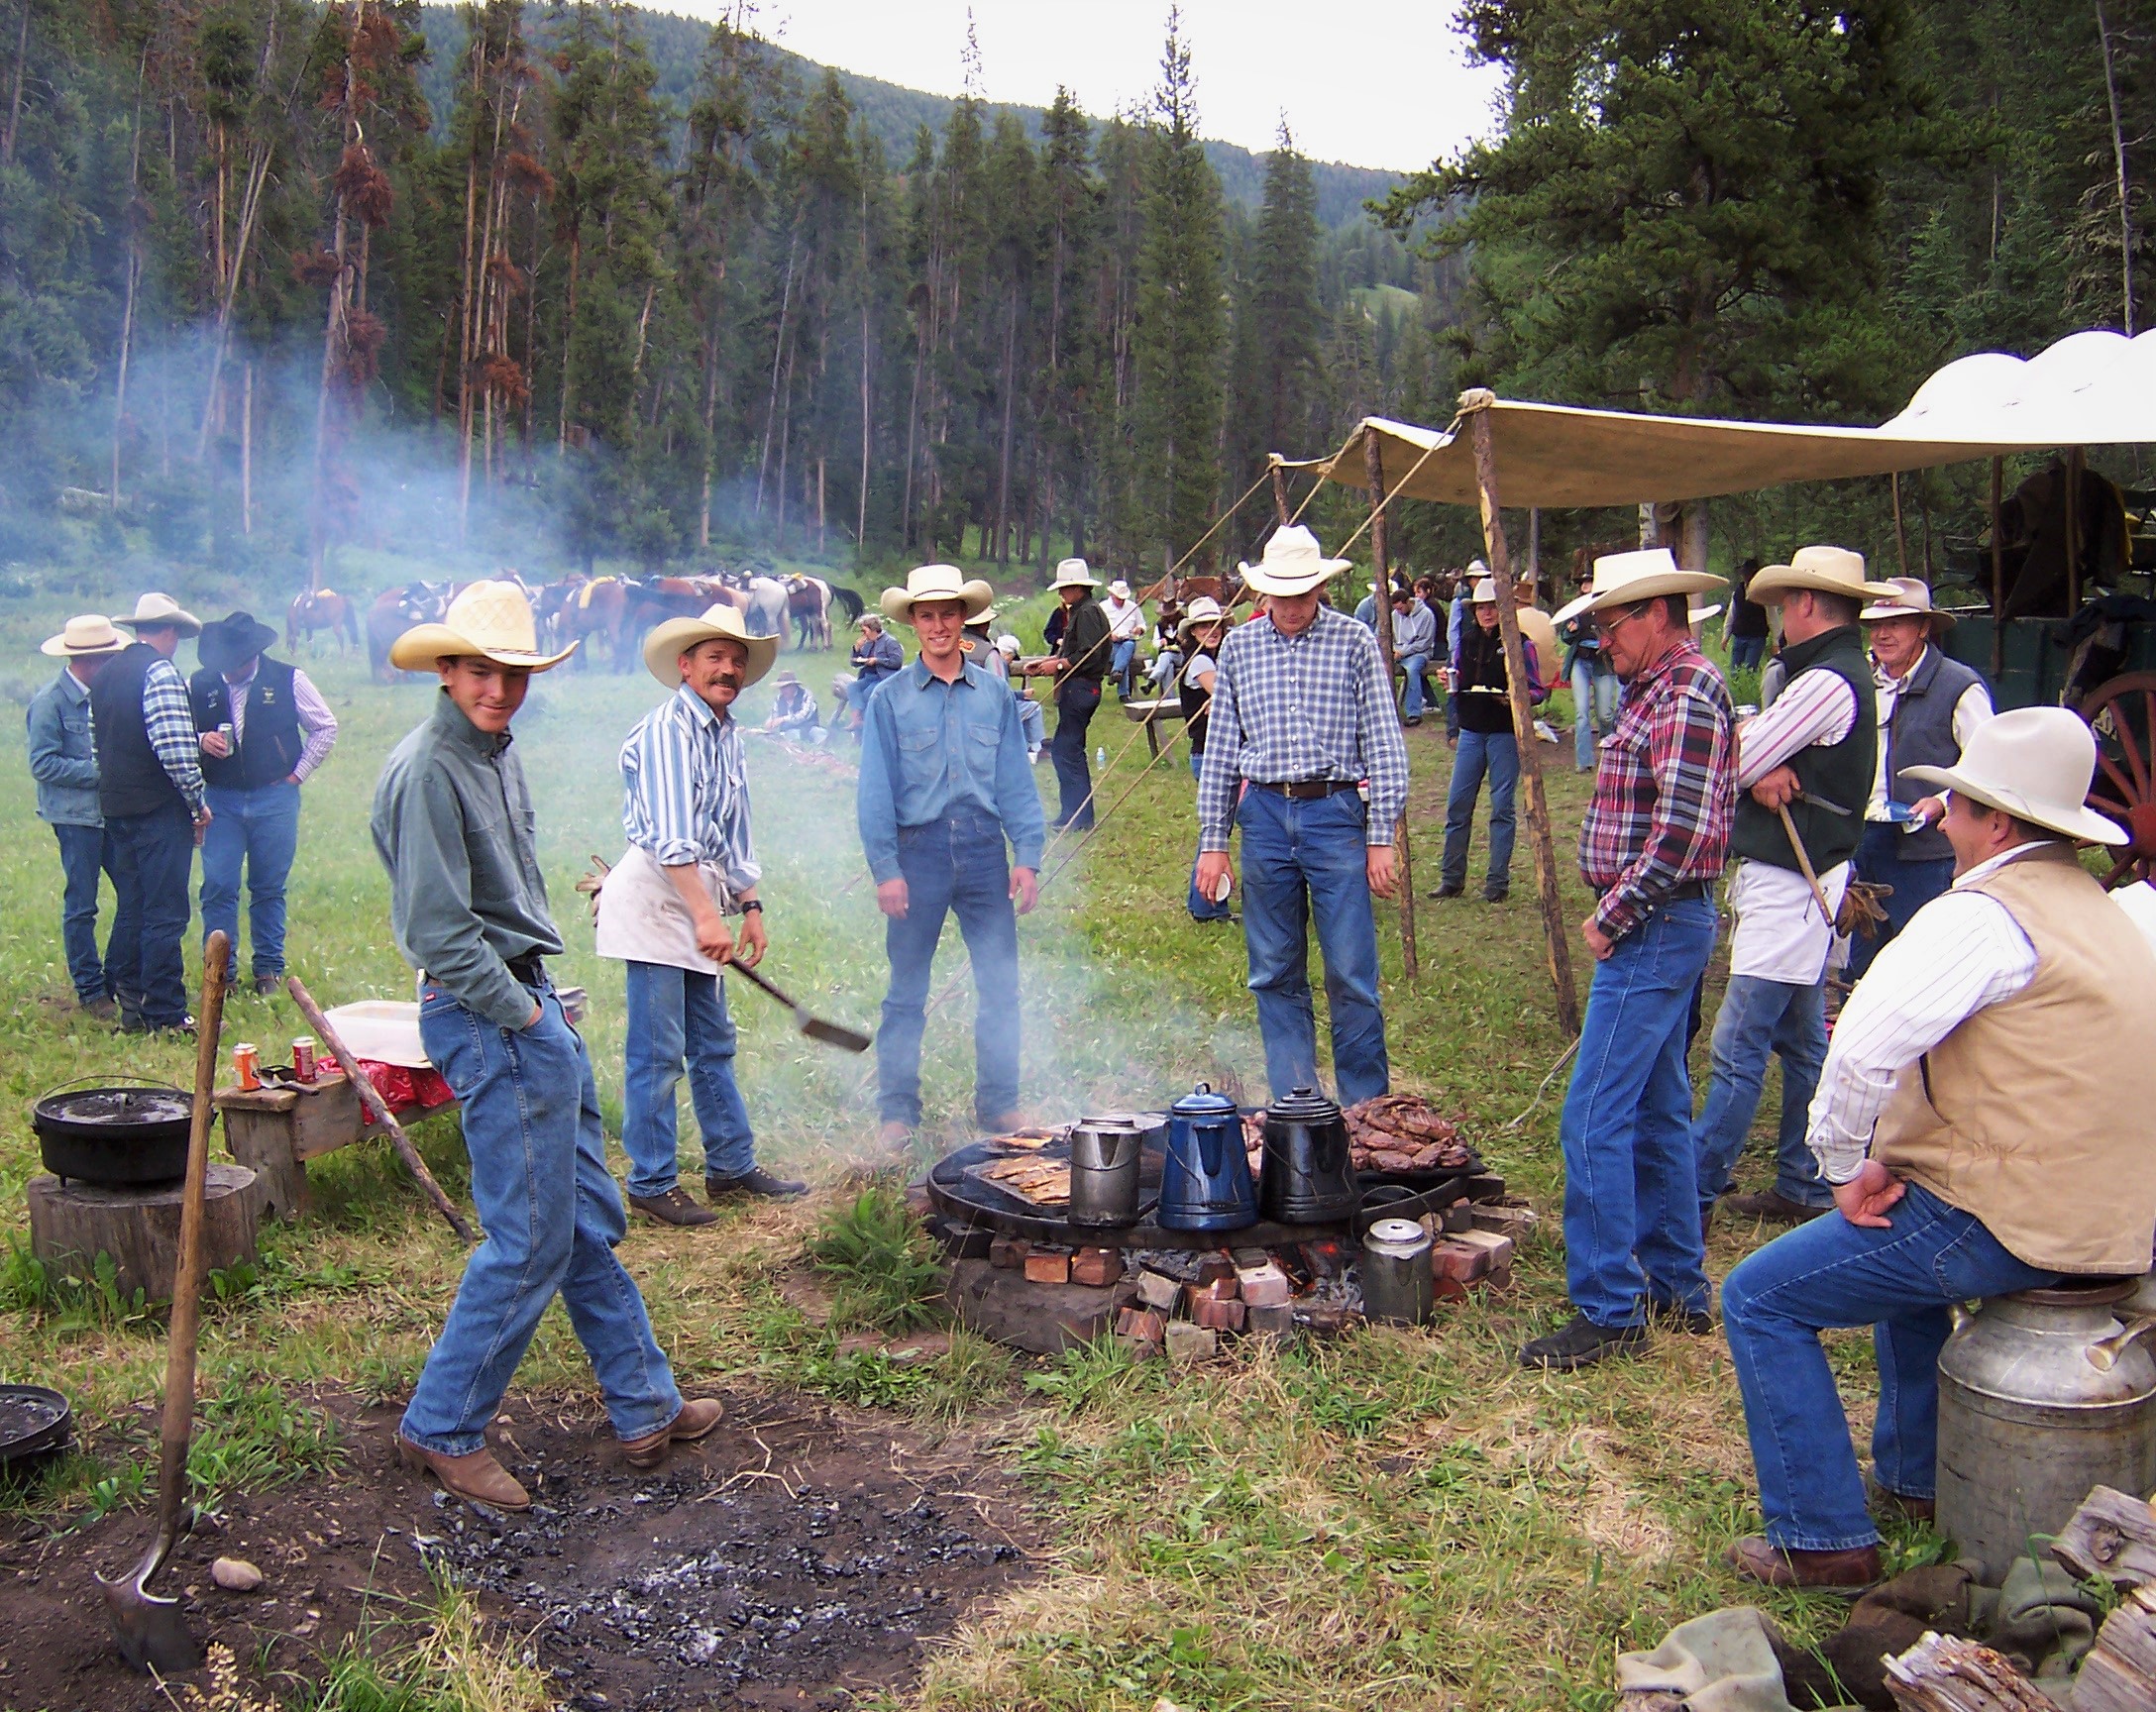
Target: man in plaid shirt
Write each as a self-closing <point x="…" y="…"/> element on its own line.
<point x="1653" y="846"/>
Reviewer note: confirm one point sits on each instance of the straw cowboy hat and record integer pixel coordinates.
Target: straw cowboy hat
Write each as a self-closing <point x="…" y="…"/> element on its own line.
<point x="85" y="635"/>
<point x="668" y="642"/>
<point x="1913" y="600"/>
<point x="1119" y="589"/>
<point x="1203" y="610"/>
<point x="489" y="620"/>
<point x="2035" y="763"/>
<point x="1073" y="573"/>
<point x="232" y="641"/>
<point x="937" y="583"/>
<point x="160" y="612"/>
<point x="1624" y="579"/>
<point x="1819" y="570"/>
<point x="1291" y="563"/>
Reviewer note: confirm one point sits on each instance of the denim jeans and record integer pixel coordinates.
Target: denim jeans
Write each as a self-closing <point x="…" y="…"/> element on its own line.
<point x="1496" y="753"/>
<point x="260" y="829"/>
<point x="673" y="1015"/>
<point x="1031" y="724"/>
<point x="84" y="853"/>
<point x="1746" y="652"/>
<point x="1202" y="908"/>
<point x="1594" y="709"/>
<point x="1631" y="1201"/>
<point x="1900" y="1282"/>
<point x="1075" y="704"/>
<point x="1122" y="661"/>
<point x="551" y="1216"/>
<point x="1302" y="860"/>
<point x="957" y="866"/>
<point x="1758" y="1017"/>
<point x="153" y="856"/>
<point x="1414" y="664"/>
<point x="1915" y="883"/>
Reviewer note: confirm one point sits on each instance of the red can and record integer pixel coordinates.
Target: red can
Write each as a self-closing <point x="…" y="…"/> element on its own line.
<point x="247" y="1065"/>
<point x="303" y="1058"/>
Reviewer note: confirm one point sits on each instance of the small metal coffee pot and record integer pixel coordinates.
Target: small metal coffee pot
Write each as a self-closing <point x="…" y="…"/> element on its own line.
<point x="1205" y="1184"/>
<point x="1305" y="1177"/>
<point x="1397" y="1281"/>
<point x="1103" y="1162"/>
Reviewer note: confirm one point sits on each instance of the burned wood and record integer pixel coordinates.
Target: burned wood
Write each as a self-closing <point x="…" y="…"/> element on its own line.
<point x="2112" y="1536"/>
<point x="1945" y="1673"/>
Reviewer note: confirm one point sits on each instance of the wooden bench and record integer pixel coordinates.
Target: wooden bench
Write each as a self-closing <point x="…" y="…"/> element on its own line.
<point x="276" y="1129"/>
<point x="1153" y="714"/>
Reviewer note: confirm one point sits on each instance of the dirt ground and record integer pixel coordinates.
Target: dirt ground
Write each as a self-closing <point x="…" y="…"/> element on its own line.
<point x="797" y="1557"/>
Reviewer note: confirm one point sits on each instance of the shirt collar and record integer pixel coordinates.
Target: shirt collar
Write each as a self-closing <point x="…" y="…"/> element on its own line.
<point x="919" y="672"/>
<point x="701" y="710"/>
<point x="75" y="690"/>
<point x="1683" y="649"/>
<point x="1897" y="685"/>
<point x="254" y="670"/>
<point x="1984" y="870"/>
<point x="450" y="720"/>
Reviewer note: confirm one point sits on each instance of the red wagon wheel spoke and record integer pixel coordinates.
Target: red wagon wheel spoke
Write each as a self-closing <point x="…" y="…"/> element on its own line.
<point x="2123" y="716"/>
<point x="2123" y="728"/>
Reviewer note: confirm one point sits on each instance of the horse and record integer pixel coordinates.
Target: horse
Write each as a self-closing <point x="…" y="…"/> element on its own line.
<point x="766" y="606"/>
<point x="395" y="610"/>
<point x="594" y="613"/>
<point x="553" y="599"/>
<point x="808" y="605"/>
<point x="322" y="609"/>
<point x="848" y="601"/>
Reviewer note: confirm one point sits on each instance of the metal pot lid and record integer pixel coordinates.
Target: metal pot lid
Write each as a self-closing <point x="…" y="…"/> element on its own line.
<point x="1116" y="1120"/>
<point x="1304" y="1106"/>
<point x="1202" y="1102"/>
<point x="1399" y="1239"/>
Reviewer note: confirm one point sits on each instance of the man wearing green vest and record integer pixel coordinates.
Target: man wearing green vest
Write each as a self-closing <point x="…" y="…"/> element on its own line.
<point x="1807" y="762"/>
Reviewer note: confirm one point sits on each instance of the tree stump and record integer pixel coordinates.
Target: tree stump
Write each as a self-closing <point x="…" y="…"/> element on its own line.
<point x="72" y="1223"/>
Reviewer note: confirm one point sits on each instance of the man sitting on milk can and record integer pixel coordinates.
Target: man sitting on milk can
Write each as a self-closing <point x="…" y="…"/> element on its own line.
<point x="1982" y="1119"/>
<point x="664" y="907"/>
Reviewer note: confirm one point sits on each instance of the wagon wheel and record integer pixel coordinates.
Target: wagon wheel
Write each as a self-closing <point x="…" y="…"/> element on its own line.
<point x="2123" y="712"/>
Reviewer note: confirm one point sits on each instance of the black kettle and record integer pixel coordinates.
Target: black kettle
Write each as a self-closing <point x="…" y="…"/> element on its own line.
<point x="1306" y="1177"/>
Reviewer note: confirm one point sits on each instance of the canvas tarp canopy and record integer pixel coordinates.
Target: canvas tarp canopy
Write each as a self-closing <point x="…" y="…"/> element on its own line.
<point x="2091" y="389"/>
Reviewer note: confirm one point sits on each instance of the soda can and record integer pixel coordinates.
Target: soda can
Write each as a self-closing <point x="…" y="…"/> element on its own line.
<point x="247" y="1065"/>
<point x="225" y="732"/>
<point x="303" y="1058"/>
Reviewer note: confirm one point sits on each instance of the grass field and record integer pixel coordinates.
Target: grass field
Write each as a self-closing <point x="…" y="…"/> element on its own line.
<point x="1392" y="1519"/>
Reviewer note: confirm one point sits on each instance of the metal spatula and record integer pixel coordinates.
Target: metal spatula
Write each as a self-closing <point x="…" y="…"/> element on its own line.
<point x="830" y="1033"/>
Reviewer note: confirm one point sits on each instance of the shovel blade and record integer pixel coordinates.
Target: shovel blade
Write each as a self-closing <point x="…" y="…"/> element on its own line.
<point x="831" y="1034"/>
<point x="151" y="1632"/>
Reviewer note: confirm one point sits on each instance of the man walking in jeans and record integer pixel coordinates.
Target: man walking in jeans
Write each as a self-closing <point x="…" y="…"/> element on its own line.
<point x="1302" y="715"/>
<point x="663" y="910"/>
<point x="944" y="784"/>
<point x="1652" y="846"/>
<point x="63" y="762"/>
<point x="453" y="824"/>
<point x="1078" y="665"/>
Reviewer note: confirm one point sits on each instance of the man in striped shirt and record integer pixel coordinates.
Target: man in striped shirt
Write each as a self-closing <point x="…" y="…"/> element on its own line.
<point x="685" y="811"/>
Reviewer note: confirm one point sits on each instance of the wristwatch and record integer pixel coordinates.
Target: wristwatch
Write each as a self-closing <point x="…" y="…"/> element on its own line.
<point x="749" y="904"/>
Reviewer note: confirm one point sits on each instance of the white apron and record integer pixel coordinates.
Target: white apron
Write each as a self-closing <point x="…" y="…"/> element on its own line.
<point x="642" y="918"/>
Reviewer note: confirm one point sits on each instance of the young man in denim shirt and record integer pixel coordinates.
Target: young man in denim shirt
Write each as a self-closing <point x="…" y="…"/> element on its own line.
<point x="63" y="762"/>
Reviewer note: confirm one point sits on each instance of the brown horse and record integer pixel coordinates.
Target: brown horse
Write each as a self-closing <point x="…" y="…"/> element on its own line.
<point x="395" y="610"/>
<point x="323" y="609"/>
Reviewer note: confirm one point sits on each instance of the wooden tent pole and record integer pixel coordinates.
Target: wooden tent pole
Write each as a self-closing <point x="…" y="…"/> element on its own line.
<point x="1476" y="405"/>
<point x="1373" y="460"/>
<point x="1279" y="491"/>
<point x="1998" y="578"/>
<point x="2075" y="458"/>
<point x="1902" y="535"/>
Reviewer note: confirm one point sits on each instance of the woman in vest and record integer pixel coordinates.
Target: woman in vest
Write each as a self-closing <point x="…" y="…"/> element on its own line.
<point x="1487" y="745"/>
<point x="1200" y="637"/>
<point x="265" y="728"/>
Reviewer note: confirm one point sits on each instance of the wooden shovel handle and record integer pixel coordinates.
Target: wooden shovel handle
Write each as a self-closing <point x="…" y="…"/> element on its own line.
<point x="1803" y="862"/>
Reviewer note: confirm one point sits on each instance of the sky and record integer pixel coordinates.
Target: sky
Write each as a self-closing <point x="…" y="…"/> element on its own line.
<point x="1388" y="89"/>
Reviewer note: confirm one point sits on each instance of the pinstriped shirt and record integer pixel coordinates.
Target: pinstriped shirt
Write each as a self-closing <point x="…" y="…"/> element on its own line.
<point x="685" y="789"/>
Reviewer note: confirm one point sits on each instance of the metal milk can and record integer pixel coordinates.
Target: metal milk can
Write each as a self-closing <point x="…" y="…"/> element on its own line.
<point x="1397" y="1281"/>
<point x="2043" y="1394"/>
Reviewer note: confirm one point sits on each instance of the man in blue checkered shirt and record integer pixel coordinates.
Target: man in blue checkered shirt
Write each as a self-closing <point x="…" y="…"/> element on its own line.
<point x="1302" y="718"/>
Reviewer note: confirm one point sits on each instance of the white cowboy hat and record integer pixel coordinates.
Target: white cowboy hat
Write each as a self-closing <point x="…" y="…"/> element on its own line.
<point x="491" y="621"/>
<point x="85" y="635"/>
<point x="1119" y="589"/>
<point x="1007" y="644"/>
<point x="1291" y="563"/>
<point x="1073" y="573"/>
<point x="718" y="622"/>
<point x="161" y="613"/>
<point x="1486" y="592"/>
<point x="1623" y="579"/>
<point x="1700" y="614"/>
<point x="1203" y="610"/>
<point x="1821" y="571"/>
<point x="1911" y="599"/>
<point x="2035" y="763"/>
<point x="935" y="583"/>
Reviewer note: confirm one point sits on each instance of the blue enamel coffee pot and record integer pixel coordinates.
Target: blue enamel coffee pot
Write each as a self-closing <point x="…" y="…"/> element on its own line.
<point x="1205" y="1184"/>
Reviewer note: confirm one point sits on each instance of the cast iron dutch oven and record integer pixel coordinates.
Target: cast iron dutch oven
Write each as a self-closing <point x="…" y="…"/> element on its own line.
<point x="114" y="1136"/>
<point x="33" y="1423"/>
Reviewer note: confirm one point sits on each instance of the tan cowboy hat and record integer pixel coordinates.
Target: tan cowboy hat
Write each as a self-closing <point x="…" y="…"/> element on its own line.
<point x="1119" y="589"/>
<point x="1203" y="610"/>
<point x="935" y="583"/>
<point x="161" y="613"/>
<point x="1291" y="563"/>
<point x="87" y="634"/>
<point x="1074" y="573"/>
<point x="668" y="642"/>
<point x="1911" y="599"/>
<point x="1822" y="571"/>
<point x="2035" y="763"/>
<point x="1623" y="579"/>
<point x="1486" y="592"/>
<point x="490" y="621"/>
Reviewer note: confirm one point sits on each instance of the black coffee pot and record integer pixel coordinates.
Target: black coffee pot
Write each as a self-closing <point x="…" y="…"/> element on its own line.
<point x="1306" y="1176"/>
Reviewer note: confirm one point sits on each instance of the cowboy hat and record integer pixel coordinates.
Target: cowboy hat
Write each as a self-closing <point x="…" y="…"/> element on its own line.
<point x="1625" y="578"/>
<point x="233" y="640"/>
<point x="1911" y="599"/>
<point x="935" y="583"/>
<point x="1700" y="614"/>
<point x="1203" y="610"/>
<point x="1819" y="570"/>
<point x="2034" y="763"/>
<point x="787" y="678"/>
<point x="719" y="622"/>
<point x="1119" y="589"/>
<point x="1291" y="563"/>
<point x="1486" y="592"/>
<point x="160" y="612"/>
<point x="88" y="634"/>
<point x="488" y="620"/>
<point x="1073" y="573"/>
<point x="1007" y="644"/>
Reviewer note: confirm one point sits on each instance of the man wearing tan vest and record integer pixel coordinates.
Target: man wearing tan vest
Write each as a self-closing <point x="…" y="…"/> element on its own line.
<point x="1982" y="1116"/>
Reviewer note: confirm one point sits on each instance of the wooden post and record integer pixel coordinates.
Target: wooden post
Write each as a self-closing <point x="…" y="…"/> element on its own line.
<point x="2074" y="457"/>
<point x="1902" y="534"/>
<point x="1279" y="491"/>
<point x="1373" y="460"/>
<point x="1999" y="579"/>
<point x="1476" y="404"/>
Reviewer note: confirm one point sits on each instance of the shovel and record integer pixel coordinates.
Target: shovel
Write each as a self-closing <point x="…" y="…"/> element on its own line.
<point x="830" y="1033"/>
<point x="149" y="1630"/>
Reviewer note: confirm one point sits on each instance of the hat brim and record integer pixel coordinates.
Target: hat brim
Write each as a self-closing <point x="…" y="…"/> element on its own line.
<point x="1199" y="623"/>
<point x="668" y="642"/>
<point x="1771" y="586"/>
<point x="976" y="596"/>
<point x="216" y="645"/>
<point x="56" y="647"/>
<point x="1076" y="583"/>
<point x="1652" y="588"/>
<point x="1256" y="576"/>
<point x="425" y="646"/>
<point x="1887" y="610"/>
<point x="186" y="623"/>
<point x="1700" y="614"/>
<point x="2077" y="822"/>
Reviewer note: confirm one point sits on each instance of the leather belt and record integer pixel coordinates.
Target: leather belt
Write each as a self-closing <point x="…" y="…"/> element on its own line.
<point x="1307" y="789"/>
<point x="1684" y="890"/>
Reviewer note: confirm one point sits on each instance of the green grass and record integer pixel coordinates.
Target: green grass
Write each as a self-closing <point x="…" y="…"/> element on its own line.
<point x="1391" y="1518"/>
